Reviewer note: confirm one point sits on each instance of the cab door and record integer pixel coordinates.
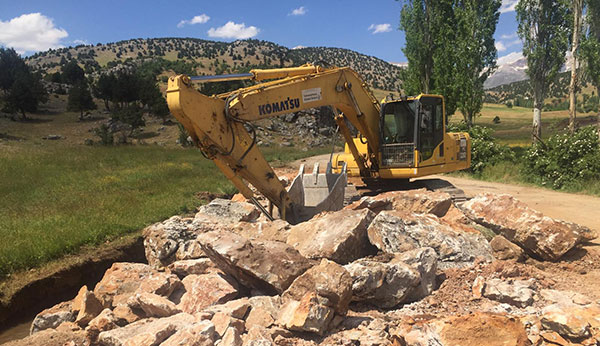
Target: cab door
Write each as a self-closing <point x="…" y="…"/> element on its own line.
<point x="430" y="130"/>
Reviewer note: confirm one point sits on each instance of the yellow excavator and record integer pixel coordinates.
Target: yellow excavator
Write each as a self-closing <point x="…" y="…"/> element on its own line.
<point x="395" y="139"/>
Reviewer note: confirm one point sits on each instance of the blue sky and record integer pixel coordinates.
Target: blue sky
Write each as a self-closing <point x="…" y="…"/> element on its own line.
<point x="369" y="27"/>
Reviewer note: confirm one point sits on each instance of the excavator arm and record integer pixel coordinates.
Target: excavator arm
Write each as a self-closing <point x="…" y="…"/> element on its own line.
<point x="219" y="124"/>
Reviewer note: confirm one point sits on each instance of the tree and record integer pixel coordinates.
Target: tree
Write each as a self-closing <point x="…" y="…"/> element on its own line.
<point x="544" y="27"/>
<point x="577" y="9"/>
<point x="80" y="98"/>
<point x="475" y="51"/>
<point x="590" y="46"/>
<point x="10" y="64"/>
<point x="22" y="90"/>
<point x="450" y="50"/>
<point x="103" y="89"/>
<point x="72" y="73"/>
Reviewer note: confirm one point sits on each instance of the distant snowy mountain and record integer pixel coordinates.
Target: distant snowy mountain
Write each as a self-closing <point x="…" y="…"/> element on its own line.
<point x="512" y="67"/>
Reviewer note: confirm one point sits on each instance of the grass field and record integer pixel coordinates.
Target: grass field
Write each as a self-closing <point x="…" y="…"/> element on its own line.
<point x="56" y="198"/>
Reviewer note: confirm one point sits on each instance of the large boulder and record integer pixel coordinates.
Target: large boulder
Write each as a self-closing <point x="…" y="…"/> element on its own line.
<point x="331" y="283"/>
<point x="340" y="236"/>
<point x="419" y="201"/>
<point x="540" y="235"/>
<point x="53" y="317"/>
<point x="229" y="211"/>
<point x="506" y="250"/>
<point x="398" y="231"/>
<point x="148" y="331"/>
<point x="175" y="239"/>
<point x="382" y="284"/>
<point x="474" y="329"/>
<point x="572" y="321"/>
<point x="86" y="306"/>
<point x="277" y="230"/>
<point x="307" y="315"/>
<point x="514" y="292"/>
<point x="268" y="266"/>
<point x="202" y="291"/>
<point x="123" y="279"/>
<point x="423" y="260"/>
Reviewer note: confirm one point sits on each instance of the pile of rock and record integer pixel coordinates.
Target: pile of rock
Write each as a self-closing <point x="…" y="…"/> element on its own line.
<point x="229" y="277"/>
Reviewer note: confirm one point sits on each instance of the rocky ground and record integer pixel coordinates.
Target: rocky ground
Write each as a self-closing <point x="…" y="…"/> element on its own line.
<point x="399" y="268"/>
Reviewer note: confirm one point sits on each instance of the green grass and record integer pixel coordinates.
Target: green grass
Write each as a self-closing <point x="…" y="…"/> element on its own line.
<point x="58" y="198"/>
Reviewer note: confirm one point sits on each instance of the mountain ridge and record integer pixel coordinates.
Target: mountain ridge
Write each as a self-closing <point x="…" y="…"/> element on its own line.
<point x="207" y="57"/>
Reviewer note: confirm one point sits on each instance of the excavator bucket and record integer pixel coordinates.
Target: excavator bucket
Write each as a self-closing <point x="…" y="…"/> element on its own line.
<point x="317" y="192"/>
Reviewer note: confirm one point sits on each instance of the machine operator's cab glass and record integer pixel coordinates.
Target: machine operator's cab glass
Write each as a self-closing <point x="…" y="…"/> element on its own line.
<point x="431" y="127"/>
<point x="398" y="121"/>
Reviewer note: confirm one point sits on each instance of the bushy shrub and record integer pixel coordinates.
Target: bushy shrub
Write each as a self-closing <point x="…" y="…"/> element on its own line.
<point x="565" y="159"/>
<point x="485" y="149"/>
<point x="106" y="137"/>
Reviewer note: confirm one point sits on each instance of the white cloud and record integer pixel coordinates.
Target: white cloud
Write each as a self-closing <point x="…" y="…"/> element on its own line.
<point x="510" y="58"/>
<point x="201" y="19"/>
<point x="500" y="46"/>
<point x="78" y="42"/>
<point x="379" y="28"/>
<point x="299" y="47"/>
<point x="509" y="36"/>
<point x="300" y="11"/>
<point x="508" y="6"/>
<point x="31" y="32"/>
<point x="233" y="30"/>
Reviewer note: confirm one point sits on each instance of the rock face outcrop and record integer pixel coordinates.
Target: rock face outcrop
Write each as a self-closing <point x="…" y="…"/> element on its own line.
<point x="540" y="235"/>
<point x="268" y="266"/>
<point x="396" y="232"/>
<point x="339" y="236"/>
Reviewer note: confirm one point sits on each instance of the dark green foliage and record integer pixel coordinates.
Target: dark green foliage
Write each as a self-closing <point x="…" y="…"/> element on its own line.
<point x="22" y="90"/>
<point x="26" y="93"/>
<point x="565" y="159"/>
<point x="590" y="45"/>
<point x="72" y="73"/>
<point x="131" y="115"/>
<point x="475" y="52"/>
<point x="10" y="64"/>
<point x="80" y="98"/>
<point x="450" y="50"/>
<point x="106" y="136"/>
<point x="183" y="136"/>
<point x="485" y="150"/>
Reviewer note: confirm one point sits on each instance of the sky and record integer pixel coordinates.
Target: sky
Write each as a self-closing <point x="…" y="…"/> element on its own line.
<point x="368" y="27"/>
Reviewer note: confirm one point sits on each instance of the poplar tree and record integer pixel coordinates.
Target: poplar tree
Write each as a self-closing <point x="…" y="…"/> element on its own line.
<point x="590" y="46"/>
<point x="544" y="28"/>
<point x="577" y="7"/>
<point x="450" y="50"/>
<point x="475" y="51"/>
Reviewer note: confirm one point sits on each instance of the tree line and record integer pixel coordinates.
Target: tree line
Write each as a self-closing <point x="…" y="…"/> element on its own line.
<point x="450" y="49"/>
<point x="127" y="93"/>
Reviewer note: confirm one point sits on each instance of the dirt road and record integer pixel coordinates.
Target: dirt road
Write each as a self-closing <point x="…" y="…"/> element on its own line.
<point x="581" y="209"/>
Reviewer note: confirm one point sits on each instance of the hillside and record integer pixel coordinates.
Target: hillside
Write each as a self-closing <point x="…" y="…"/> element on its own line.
<point x="520" y="94"/>
<point x="204" y="57"/>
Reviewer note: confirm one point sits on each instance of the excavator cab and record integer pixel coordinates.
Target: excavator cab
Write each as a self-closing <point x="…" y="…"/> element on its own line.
<point x="411" y="130"/>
